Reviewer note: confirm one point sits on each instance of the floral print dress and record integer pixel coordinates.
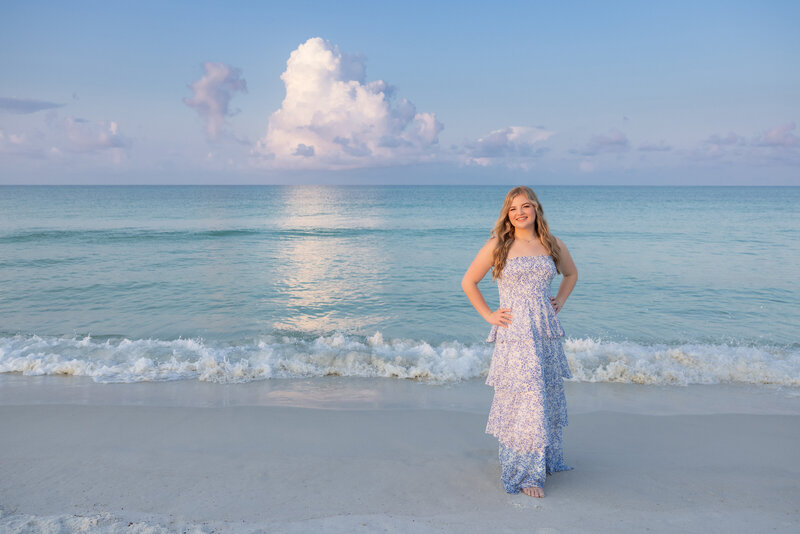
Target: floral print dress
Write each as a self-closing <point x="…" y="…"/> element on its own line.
<point x="527" y="371"/>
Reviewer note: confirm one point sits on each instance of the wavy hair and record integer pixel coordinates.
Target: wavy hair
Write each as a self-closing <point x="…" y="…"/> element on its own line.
<point x="504" y="232"/>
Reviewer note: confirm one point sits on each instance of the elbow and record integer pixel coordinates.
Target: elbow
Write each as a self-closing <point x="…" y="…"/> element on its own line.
<point x="466" y="283"/>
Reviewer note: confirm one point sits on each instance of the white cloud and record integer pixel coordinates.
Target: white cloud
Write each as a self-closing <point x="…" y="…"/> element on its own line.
<point x="71" y="135"/>
<point x="514" y="146"/>
<point x="213" y="93"/>
<point x="333" y="118"/>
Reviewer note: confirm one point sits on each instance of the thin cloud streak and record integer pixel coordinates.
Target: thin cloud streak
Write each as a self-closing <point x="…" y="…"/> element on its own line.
<point x="25" y="106"/>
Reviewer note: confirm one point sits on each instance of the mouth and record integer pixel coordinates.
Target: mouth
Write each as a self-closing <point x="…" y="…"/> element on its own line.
<point x="520" y="219"/>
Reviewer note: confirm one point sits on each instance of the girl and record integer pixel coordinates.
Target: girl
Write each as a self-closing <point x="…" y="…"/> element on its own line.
<point x="528" y="364"/>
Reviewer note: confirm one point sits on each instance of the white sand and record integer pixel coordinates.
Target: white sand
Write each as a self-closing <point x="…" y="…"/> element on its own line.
<point x="350" y="455"/>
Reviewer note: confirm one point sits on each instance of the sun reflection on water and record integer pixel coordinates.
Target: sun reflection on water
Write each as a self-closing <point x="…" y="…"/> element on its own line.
<point x="329" y="282"/>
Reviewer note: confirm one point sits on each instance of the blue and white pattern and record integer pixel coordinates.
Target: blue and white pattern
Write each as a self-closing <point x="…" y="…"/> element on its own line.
<point x="524" y="286"/>
<point x="527" y="371"/>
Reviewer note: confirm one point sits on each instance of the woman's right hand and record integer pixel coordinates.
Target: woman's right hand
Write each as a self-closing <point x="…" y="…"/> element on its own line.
<point x="500" y="317"/>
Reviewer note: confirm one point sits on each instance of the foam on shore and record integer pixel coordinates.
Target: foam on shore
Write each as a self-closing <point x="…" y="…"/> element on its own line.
<point x="119" y="359"/>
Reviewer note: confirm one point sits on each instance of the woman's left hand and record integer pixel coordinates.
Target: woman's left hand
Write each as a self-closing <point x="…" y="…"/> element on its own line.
<point x="556" y="304"/>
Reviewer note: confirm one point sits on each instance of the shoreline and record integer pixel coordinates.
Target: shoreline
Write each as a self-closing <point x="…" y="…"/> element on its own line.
<point x="400" y="456"/>
<point x="359" y="393"/>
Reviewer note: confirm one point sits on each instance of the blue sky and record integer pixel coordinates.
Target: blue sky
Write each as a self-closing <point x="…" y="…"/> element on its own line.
<point x="400" y="92"/>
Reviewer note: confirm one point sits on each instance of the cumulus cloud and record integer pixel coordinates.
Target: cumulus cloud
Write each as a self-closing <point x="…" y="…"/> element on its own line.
<point x="25" y="105"/>
<point x="514" y="146"/>
<point x="213" y="93"/>
<point x="333" y="118"/>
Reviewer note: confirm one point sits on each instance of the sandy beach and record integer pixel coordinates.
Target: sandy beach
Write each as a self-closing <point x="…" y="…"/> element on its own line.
<point x="376" y="455"/>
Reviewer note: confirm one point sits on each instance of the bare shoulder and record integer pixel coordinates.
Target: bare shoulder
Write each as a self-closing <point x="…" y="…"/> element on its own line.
<point x="487" y="250"/>
<point x="566" y="264"/>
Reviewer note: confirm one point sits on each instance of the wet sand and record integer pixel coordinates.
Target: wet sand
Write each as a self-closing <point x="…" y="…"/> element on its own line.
<point x="377" y="455"/>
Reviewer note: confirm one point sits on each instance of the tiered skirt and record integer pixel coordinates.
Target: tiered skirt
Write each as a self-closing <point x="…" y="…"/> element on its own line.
<point x="529" y="409"/>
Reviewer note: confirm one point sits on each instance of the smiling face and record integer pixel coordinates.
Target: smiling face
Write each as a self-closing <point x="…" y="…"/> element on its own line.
<point x="522" y="212"/>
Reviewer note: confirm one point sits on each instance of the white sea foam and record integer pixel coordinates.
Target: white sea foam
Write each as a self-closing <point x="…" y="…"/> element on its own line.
<point x="604" y="361"/>
<point x="270" y="357"/>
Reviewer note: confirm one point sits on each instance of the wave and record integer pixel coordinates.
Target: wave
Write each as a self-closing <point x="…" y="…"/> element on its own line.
<point x="593" y="360"/>
<point x="118" y="359"/>
<point x="120" y="234"/>
<point x="144" y="234"/>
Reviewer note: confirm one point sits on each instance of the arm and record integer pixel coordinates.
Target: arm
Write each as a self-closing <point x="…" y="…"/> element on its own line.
<point x="475" y="273"/>
<point x="570" y="277"/>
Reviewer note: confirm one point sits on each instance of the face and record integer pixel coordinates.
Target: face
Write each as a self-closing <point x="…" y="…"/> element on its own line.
<point x="522" y="212"/>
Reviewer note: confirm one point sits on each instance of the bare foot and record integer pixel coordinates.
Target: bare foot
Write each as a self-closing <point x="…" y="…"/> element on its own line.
<point x="533" y="492"/>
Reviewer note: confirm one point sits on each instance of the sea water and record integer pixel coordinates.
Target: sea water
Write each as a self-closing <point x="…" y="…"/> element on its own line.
<point x="677" y="285"/>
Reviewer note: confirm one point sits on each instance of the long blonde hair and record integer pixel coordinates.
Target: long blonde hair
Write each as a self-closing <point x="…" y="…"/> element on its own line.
<point x="504" y="232"/>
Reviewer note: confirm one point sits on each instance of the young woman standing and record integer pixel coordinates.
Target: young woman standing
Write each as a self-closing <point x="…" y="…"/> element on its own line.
<point x="528" y="364"/>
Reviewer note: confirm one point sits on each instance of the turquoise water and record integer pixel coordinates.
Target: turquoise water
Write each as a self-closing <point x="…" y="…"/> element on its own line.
<point x="240" y="283"/>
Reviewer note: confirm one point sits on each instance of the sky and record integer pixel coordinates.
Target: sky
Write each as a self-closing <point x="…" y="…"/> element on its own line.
<point x="600" y="93"/>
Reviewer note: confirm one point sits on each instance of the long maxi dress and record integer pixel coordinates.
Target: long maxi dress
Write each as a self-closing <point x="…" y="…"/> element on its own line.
<point x="527" y="371"/>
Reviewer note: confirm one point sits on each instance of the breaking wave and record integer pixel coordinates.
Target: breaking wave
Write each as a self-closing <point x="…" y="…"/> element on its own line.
<point x="118" y="359"/>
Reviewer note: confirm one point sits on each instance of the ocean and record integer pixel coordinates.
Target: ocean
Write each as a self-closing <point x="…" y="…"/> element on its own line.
<point x="677" y="285"/>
